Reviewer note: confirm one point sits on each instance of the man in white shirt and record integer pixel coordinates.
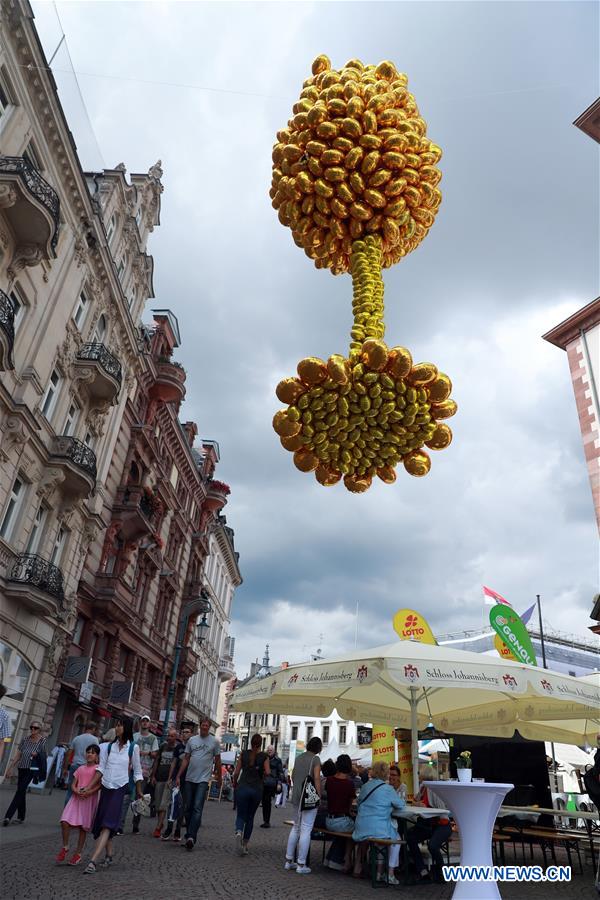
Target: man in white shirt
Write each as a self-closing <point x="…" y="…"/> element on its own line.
<point x="79" y="745"/>
<point x="202" y="757"/>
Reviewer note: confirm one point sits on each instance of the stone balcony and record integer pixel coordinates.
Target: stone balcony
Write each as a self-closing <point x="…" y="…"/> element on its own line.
<point x="100" y="370"/>
<point x="7" y="333"/>
<point x="31" y="207"/>
<point x="37" y="584"/>
<point x="226" y="668"/>
<point x="138" y="511"/>
<point x="78" y="464"/>
<point x="169" y="385"/>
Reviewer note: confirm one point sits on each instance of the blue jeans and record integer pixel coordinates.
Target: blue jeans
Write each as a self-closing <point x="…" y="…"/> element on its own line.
<point x="194" y="798"/>
<point x="248" y="800"/>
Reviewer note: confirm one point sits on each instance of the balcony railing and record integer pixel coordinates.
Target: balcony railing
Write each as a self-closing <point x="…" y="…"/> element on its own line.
<point x="32" y="569"/>
<point x="7" y="325"/>
<point x="98" y="353"/>
<point x="37" y="186"/>
<point x="82" y="456"/>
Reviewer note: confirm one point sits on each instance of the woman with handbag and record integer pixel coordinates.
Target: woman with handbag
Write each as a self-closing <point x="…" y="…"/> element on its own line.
<point x="31" y="755"/>
<point x="248" y="779"/>
<point x="305" y="798"/>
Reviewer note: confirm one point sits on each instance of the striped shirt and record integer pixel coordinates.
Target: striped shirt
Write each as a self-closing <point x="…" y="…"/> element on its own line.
<point x="27" y="748"/>
<point x="5" y="729"/>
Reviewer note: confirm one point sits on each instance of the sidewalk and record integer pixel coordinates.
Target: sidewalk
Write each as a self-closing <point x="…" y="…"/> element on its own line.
<point x="150" y="868"/>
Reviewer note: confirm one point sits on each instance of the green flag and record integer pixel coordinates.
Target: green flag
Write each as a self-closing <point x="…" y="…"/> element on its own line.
<point x="510" y="628"/>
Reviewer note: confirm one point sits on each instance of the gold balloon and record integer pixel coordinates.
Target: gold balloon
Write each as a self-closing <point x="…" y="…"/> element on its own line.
<point x="293" y="442"/>
<point x="312" y="370"/>
<point x="357" y="485"/>
<point x="289" y="390"/>
<point x="422" y="373"/>
<point x="441" y="438"/>
<point x="305" y="460"/>
<point x="387" y="474"/>
<point x="440" y="389"/>
<point x="337" y="369"/>
<point x="284" y="426"/>
<point x="444" y="410"/>
<point x="417" y="463"/>
<point x="400" y="362"/>
<point x="326" y="477"/>
<point x="375" y="354"/>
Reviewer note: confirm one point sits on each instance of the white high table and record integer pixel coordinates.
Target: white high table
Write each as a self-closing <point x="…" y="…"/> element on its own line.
<point x="474" y="806"/>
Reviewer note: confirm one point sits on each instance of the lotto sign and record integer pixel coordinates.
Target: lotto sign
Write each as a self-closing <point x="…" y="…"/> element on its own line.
<point x="382" y="744"/>
<point x="411" y="626"/>
<point x="504" y="651"/>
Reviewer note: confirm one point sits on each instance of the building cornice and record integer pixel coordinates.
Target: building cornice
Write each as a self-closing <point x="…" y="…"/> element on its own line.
<point x="569" y="330"/>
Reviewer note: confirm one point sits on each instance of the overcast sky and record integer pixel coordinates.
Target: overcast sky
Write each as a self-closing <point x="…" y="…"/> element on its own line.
<point x="513" y="251"/>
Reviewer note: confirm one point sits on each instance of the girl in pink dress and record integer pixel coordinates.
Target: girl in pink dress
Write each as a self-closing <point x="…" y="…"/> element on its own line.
<point x="81" y="808"/>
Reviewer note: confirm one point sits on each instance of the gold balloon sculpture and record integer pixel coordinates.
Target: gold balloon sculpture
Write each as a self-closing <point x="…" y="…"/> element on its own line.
<point x="355" y="178"/>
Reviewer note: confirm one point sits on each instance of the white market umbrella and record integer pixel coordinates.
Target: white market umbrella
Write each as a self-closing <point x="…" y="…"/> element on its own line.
<point x="407" y="684"/>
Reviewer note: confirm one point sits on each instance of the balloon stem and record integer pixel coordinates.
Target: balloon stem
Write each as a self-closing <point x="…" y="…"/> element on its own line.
<point x="368" y="289"/>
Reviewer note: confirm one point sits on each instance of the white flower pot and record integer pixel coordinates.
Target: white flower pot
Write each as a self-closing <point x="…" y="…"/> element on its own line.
<point x="464" y="775"/>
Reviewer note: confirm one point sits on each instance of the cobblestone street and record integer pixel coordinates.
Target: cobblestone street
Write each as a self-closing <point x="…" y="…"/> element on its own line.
<point x="147" y="867"/>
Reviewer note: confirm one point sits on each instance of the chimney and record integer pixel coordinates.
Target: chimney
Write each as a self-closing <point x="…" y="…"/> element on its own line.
<point x="190" y="430"/>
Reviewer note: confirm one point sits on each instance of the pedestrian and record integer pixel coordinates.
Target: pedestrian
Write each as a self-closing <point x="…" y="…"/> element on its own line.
<point x="185" y="734"/>
<point x="29" y="752"/>
<point x="282" y="795"/>
<point x="119" y="768"/>
<point x="80" y="811"/>
<point x="270" y="783"/>
<point x="78" y="747"/>
<point x="5" y="726"/>
<point x="202" y="757"/>
<point x="307" y="765"/>
<point x="160" y="777"/>
<point x="148" y="745"/>
<point x="436" y="830"/>
<point x="252" y="768"/>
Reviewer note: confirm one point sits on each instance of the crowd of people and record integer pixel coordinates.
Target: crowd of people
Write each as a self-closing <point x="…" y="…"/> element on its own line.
<point x="127" y="769"/>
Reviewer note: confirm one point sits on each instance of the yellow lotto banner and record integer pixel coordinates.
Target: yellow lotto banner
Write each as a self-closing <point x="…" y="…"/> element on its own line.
<point x="382" y="744"/>
<point x="411" y="626"/>
<point x="405" y="766"/>
<point x="504" y="651"/>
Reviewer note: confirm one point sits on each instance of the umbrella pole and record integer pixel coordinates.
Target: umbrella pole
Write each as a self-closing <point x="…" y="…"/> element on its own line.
<point x="414" y="741"/>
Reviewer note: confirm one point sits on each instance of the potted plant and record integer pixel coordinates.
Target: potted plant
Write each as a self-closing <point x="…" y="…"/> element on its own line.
<point x="464" y="766"/>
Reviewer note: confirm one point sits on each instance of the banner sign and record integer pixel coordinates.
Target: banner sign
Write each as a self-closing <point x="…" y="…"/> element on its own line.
<point x="411" y="626"/>
<point x="405" y="766"/>
<point x="384" y="748"/>
<point x="77" y="669"/>
<point x="508" y="625"/>
<point x="85" y="691"/>
<point x="121" y="691"/>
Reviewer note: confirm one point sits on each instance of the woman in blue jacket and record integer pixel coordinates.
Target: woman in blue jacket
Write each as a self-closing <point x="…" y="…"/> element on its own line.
<point x="376" y="803"/>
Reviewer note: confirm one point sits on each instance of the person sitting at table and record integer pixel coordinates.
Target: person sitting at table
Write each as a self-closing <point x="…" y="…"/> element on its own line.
<point x="376" y="803"/>
<point x="436" y="831"/>
<point x="327" y="771"/>
<point x="340" y="796"/>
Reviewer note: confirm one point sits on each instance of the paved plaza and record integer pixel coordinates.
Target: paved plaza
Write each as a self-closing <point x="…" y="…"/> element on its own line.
<point x="150" y="868"/>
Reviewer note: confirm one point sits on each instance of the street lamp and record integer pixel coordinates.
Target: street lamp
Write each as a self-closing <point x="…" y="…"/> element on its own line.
<point x="200" y="605"/>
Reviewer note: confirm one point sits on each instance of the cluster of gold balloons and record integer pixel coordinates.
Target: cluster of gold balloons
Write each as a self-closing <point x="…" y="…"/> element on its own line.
<point x="354" y="177"/>
<point x="360" y="417"/>
<point x="355" y="160"/>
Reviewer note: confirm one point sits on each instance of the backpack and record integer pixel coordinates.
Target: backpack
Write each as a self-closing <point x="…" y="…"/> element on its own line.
<point x="591" y="781"/>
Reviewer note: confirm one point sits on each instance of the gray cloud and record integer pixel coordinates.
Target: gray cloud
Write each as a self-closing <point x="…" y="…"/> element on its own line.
<point x="514" y="251"/>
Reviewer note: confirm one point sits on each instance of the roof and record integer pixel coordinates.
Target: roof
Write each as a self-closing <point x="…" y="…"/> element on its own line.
<point x="582" y="320"/>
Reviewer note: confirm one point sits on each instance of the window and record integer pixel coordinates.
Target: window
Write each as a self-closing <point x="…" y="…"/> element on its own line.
<point x="30" y="155"/>
<point x="121" y="269"/>
<point x="100" y="330"/>
<point x="138" y="218"/>
<point x="78" y="631"/>
<point x="71" y="419"/>
<point x="51" y="394"/>
<point x="5" y="95"/>
<point x="102" y="647"/>
<point x="294" y="733"/>
<point x="18" y="304"/>
<point x="342" y="734"/>
<point x="80" y="310"/>
<point x="13" y="506"/>
<point x="310" y="730"/>
<point x="131" y="300"/>
<point x="123" y="659"/>
<point x="89" y="440"/>
<point x="325" y="737"/>
<point x="37" y="530"/>
<point x="112" y="227"/>
<point x="58" y="548"/>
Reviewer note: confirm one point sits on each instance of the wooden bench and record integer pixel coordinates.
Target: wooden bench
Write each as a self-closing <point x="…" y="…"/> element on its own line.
<point x="547" y="838"/>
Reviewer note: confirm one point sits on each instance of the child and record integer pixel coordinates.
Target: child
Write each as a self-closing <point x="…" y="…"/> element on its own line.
<point x="80" y="810"/>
